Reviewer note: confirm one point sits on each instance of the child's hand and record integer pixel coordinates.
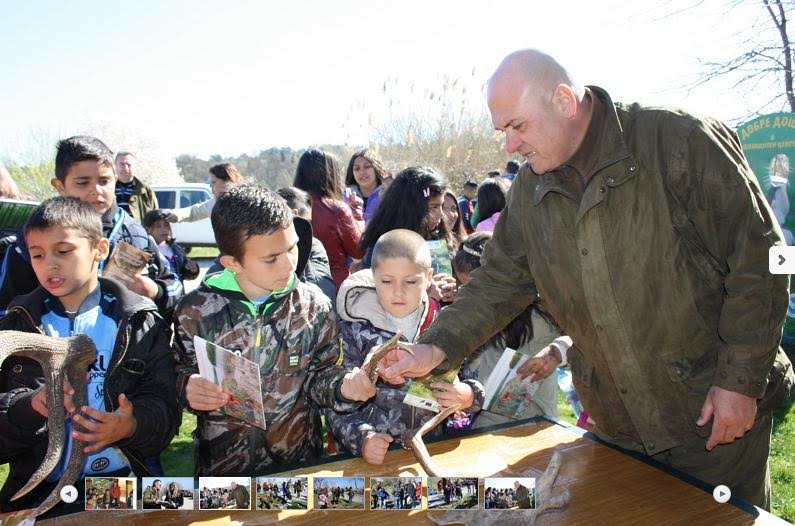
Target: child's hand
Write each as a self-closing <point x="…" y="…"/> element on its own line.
<point x="443" y="287"/>
<point x="192" y="267"/>
<point x="542" y="365"/>
<point x="39" y="401"/>
<point x="104" y="429"/>
<point x="457" y="393"/>
<point x="356" y="386"/>
<point x="143" y="285"/>
<point x="203" y="395"/>
<point x="374" y="447"/>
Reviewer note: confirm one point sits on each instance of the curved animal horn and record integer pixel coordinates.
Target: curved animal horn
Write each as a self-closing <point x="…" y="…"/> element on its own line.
<point x="412" y="439"/>
<point x="58" y="357"/>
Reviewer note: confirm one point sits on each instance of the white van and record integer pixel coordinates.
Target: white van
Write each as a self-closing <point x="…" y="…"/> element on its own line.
<point x="197" y="233"/>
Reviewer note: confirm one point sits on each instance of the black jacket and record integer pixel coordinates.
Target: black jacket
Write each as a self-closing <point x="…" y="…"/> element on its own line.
<point x="17" y="276"/>
<point x="141" y="367"/>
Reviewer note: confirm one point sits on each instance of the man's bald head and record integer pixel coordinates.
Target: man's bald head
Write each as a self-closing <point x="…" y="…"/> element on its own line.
<point x="543" y="112"/>
<point x="538" y="74"/>
<point x="402" y="243"/>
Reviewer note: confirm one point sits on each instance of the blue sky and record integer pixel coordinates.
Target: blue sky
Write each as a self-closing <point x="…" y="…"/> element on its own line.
<point x="210" y="77"/>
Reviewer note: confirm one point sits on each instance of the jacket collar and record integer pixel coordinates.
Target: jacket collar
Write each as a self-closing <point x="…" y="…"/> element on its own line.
<point x="130" y="303"/>
<point x="225" y="283"/>
<point x="613" y="149"/>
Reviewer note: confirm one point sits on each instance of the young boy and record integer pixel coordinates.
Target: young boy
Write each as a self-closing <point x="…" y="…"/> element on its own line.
<point x="317" y="269"/>
<point x="84" y="169"/>
<point x="156" y="224"/>
<point x="257" y="307"/>
<point x="132" y="410"/>
<point x="374" y="304"/>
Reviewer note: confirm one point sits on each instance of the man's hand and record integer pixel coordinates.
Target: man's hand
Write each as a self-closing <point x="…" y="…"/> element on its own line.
<point x="171" y="217"/>
<point x="733" y="413"/>
<point x="143" y="285"/>
<point x="203" y="395"/>
<point x="399" y="364"/>
<point x="374" y="447"/>
<point x="39" y="401"/>
<point x="104" y="429"/>
<point x="542" y="364"/>
<point x="456" y="393"/>
<point x="356" y="386"/>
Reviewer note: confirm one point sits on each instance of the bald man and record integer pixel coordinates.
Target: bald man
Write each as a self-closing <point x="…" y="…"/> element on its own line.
<point x="647" y="236"/>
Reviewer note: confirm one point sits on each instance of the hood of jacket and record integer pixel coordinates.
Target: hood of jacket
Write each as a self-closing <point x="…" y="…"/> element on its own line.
<point x="357" y="301"/>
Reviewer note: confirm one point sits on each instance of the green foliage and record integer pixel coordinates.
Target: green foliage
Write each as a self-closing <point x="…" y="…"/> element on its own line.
<point x="34" y="179"/>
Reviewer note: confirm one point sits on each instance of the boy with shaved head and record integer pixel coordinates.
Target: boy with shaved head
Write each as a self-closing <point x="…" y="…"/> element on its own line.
<point x="647" y="235"/>
<point x="374" y="305"/>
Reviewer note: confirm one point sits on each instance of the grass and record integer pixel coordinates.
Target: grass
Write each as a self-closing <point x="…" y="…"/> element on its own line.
<point x="203" y="252"/>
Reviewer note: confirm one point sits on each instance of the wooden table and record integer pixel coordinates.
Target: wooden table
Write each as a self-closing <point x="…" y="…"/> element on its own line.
<point x="607" y="486"/>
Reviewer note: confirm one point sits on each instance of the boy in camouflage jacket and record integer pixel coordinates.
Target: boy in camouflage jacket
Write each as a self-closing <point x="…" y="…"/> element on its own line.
<point x="257" y="307"/>
<point x="374" y="304"/>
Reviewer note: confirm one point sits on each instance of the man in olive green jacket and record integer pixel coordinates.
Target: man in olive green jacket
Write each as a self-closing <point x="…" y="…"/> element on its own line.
<point x="645" y="235"/>
<point x="240" y="495"/>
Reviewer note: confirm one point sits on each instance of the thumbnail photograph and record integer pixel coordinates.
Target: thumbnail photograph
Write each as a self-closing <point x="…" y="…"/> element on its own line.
<point x="396" y="493"/>
<point x="452" y="493"/>
<point x="110" y="493"/>
<point x="167" y="493"/>
<point x="506" y="493"/>
<point x="338" y="493"/>
<point x="224" y="493"/>
<point x="275" y="493"/>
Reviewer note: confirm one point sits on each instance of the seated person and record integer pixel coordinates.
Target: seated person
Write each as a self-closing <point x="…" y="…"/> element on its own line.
<point x="258" y="308"/>
<point x="374" y="304"/>
<point x="137" y="414"/>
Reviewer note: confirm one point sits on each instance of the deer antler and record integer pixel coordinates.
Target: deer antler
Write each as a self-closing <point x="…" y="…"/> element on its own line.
<point x="412" y="440"/>
<point x="57" y="357"/>
<point x="370" y="364"/>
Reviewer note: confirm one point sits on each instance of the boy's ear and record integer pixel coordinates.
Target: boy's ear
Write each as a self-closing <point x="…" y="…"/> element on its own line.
<point x="231" y="263"/>
<point x="58" y="185"/>
<point x="103" y="248"/>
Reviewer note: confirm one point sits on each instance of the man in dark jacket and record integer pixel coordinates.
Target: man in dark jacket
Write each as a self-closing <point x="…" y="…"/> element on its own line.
<point x="647" y="235"/>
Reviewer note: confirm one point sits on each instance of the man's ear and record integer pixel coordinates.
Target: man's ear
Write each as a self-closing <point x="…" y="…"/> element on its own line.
<point x="231" y="263"/>
<point x="58" y="185"/>
<point x="564" y="100"/>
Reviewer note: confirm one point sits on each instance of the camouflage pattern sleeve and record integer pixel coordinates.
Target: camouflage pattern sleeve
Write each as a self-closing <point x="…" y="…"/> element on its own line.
<point x="186" y="326"/>
<point x="325" y="376"/>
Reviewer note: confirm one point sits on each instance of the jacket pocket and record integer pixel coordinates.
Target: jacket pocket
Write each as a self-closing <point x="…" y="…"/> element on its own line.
<point x="691" y="378"/>
<point x="780" y="381"/>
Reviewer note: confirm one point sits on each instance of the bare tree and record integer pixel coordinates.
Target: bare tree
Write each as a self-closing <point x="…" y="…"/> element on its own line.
<point x="767" y="59"/>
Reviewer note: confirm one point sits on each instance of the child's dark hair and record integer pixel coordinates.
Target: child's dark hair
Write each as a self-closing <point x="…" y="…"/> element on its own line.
<point x="405" y="205"/>
<point x="296" y="199"/>
<point x="80" y="148"/>
<point x="491" y="196"/>
<point x="66" y="212"/>
<point x="520" y="330"/>
<point x="512" y="167"/>
<point x="226" y="172"/>
<point x="247" y="210"/>
<point x="372" y="158"/>
<point x="154" y="216"/>
<point x="319" y="172"/>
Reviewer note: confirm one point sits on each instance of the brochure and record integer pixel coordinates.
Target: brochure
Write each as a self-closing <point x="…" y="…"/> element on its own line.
<point x="237" y="375"/>
<point x="440" y="257"/>
<point x="507" y="393"/>
<point x="125" y="262"/>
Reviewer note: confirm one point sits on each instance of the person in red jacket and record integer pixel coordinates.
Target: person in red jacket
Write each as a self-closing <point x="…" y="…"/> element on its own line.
<point x="333" y="221"/>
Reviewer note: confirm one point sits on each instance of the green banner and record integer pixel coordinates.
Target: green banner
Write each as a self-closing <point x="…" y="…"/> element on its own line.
<point x="769" y="144"/>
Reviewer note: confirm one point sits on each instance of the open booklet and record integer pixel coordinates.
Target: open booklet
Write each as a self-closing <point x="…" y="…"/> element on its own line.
<point x="440" y="257"/>
<point x="420" y="393"/>
<point x="125" y="262"/>
<point x="236" y="375"/>
<point x="507" y="393"/>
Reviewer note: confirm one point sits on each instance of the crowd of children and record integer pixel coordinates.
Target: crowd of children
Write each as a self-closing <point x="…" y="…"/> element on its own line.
<point x="273" y="300"/>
